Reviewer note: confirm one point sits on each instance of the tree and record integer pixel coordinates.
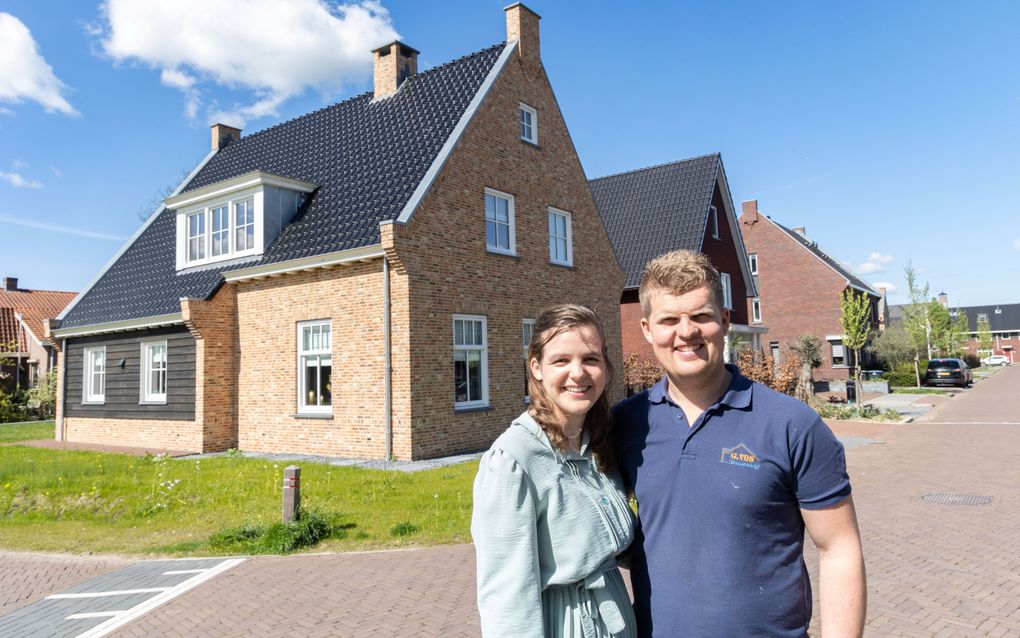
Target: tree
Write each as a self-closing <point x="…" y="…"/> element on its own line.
<point x="915" y="318"/>
<point x="959" y="334"/>
<point x="808" y="349"/>
<point x="856" y="321"/>
<point x="984" y="332"/>
<point x="893" y="345"/>
<point x="940" y="328"/>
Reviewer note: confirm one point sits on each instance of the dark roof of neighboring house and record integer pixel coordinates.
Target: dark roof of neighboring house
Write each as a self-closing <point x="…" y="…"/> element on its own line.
<point x="1007" y="319"/>
<point x="835" y="264"/>
<point x="366" y="157"/>
<point x="34" y="307"/>
<point x="651" y="211"/>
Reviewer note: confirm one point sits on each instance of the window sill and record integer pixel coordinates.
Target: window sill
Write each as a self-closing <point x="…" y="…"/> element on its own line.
<point x="569" y="266"/>
<point x="531" y="143"/>
<point x="474" y="408"/>
<point x="103" y="402"/>
<point x="313" y="415"/>
<point x="163" y="402"/>
<point x="500" y="253"/>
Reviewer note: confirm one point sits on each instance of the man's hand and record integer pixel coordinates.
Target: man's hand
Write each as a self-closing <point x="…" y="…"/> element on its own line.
<point x="842" y="589"/>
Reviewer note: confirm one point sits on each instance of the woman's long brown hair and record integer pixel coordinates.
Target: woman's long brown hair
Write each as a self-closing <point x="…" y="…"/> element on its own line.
<point x="599" y="420"/>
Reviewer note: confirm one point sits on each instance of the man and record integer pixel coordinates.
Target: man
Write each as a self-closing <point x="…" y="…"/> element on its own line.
<point x="728" y="474"/>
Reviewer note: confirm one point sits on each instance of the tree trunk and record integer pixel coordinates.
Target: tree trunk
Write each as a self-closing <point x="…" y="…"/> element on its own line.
<point x="805" y="385"/>
<point x="917" y="371"/>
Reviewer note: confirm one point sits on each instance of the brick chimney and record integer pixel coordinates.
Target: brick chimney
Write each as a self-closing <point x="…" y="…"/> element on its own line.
<point x="800" y="230"/>
<point x="223" y="135"/>
<point x="394" y="63"/>
<point x="749" y="209"/>
<point x="522" y="25"/>
<point x="944" y="299"/>
<point x="10" y="283"/>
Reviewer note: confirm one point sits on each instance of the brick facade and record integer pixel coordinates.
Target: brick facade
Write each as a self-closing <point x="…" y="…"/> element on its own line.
<point x="799" y="294"/>
<point x="183" y="436"/>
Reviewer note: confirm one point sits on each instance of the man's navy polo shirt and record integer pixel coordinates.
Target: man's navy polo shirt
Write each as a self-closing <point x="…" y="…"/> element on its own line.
<point x="719" y="546"/>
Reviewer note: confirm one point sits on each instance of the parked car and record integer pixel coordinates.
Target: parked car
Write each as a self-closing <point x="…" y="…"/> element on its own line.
<point x="948" y="372"/>
<point x="995" y="360"/>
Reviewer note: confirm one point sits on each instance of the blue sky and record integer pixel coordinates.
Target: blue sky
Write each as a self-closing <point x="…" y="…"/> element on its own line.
<point x="888" y="129"/>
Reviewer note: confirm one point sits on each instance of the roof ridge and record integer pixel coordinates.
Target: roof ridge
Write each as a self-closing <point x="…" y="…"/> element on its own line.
<point x="364" y="94"/>
<point x="662" y="165"/>
<point x="810" y="243"/>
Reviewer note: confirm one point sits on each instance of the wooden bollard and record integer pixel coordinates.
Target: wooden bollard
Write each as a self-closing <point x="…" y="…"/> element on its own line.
<point x="291" y="493"/>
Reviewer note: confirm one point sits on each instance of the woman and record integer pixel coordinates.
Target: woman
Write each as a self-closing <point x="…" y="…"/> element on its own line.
<point x="550" y="514"/>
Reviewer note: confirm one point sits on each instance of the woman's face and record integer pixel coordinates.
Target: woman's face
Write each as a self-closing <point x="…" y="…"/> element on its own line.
<point x="572" y="372"/>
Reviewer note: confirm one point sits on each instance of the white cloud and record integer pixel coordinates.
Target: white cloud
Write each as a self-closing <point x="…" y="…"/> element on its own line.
<point x="58" y="228"/>
<point x="24" y="74"/>
<point x="274" y="49"/>
<point x="890" y="288"/>
<point x="16" y="164"/>
<point x="18" y="181"/>
<point x="876" y="263"/>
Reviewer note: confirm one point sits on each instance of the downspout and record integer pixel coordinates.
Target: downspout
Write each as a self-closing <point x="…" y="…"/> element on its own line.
<point x="387" y="381"/>
<point x="62" y="399"/>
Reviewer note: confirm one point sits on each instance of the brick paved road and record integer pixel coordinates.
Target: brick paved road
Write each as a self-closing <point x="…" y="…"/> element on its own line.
<point x="933" y="570"/>
<point x="26" y="578"/>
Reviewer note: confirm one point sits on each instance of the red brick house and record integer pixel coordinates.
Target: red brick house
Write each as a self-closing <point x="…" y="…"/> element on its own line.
<point x="799" y="291"/>
<point x="1003" y="321"/>
<point x="685" y="204"/>
<point x="22" y="333"/>
<point x="358" y="281"/>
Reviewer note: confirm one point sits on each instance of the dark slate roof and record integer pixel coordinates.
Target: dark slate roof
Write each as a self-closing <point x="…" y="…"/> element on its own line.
<point x="366" y="157"/>
<point x="651" y="211"/>
<point x="837" y="265"/>
<point x="1007" y="319"/>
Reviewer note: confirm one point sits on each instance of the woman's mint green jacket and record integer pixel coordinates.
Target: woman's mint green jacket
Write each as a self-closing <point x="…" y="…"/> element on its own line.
<point x="547" y="528"/>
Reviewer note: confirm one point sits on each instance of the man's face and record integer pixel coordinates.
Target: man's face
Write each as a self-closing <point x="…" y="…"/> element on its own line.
<point x="687" y="333"/>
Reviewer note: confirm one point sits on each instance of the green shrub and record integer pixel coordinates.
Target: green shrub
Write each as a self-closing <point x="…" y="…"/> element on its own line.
<point x="407" y="528"/>
<point x="277" y="538"/>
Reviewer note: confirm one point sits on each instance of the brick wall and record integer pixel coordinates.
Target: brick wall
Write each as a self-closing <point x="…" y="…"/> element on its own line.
<point x="185" y="436"/>
<point x="445" y="269"/>
<point x="213" y="323"/>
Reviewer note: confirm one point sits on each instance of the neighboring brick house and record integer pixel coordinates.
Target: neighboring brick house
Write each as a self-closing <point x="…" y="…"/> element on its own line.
<point x="1003" y="319"/>
<point x="356" y="282"/>
<point x="23" y="343"/>
<point x="685" y="204"/>
<point x="799" y="291"/>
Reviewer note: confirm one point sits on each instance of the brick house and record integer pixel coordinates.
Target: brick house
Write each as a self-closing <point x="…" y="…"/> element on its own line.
<point x="799" y="291"/>
<point x="22" y="333"/>
<point x="1003" y="320"/>
<point x="685" y="204"/>
<point x="359" y="281"/>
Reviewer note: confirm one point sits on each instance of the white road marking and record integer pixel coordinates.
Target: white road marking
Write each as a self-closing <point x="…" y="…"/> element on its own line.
<point x="184" y="571"/>
<point x="101" y="594"/>
<point x="169" y="594"/>
<point x="95" y="614"/>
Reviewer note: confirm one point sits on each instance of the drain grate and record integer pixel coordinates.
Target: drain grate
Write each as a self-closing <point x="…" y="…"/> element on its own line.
<point x="956" y="499"/>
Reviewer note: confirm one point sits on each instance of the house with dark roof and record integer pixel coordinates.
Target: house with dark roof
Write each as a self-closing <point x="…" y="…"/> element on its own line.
<point x="27" y="353"/>
<point x="799" y="291"/>
<point x="680" y="205"/>
<point x="356" y="282"/>
<point x="1003" y="326"/>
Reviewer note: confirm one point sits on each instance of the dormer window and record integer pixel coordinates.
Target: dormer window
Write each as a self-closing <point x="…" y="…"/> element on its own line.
<point x="529" y="123"/>
<point x="238" y="217"/>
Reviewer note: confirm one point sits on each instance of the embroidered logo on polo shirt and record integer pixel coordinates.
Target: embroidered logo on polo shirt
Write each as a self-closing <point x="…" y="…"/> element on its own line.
<point x="740" y="455"/>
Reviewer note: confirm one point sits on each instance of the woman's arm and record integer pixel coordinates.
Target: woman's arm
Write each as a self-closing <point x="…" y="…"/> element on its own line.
<point x="503" y="525"/>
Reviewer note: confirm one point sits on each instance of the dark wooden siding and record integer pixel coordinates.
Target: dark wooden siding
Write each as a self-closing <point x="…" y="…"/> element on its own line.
<point x="123" y="382"/>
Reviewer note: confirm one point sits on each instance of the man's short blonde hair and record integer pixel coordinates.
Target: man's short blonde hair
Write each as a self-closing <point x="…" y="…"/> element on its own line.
<point x="678" y="272"/>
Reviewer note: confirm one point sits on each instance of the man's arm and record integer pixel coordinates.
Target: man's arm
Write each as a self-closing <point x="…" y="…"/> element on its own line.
<point x="842" y="589"/>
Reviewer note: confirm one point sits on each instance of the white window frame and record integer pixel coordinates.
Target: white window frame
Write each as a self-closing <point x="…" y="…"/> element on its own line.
<point x="775" y="352"/>
<point x="236" y="226"/>
<point x="203" y="236"/>
<point x="483" y="349"/>
<point x="713" y="220"/>
<point x="206" y="211"/>
<point x="90" y="393"/>
<point x="727" y="290"/>
<point x="833" y="344"/>
<point x="756" y="310"/>
<point x="522" y="110"/>
<point x="511" y="231"/>
<point x="302" y="405"/>
<point x="148" y="395"/>
<point x="752" y="263"/>
<point x="527" y="332"/>
<point x="568" y="239"/>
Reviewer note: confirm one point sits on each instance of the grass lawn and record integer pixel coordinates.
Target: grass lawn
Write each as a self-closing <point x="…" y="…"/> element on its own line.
<point x="925" y="390"/>
<point x="30" y="431"/>
<point x="68" y="501"/>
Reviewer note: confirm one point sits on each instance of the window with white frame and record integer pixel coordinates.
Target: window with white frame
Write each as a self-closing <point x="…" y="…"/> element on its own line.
<point x="774" y="350"/>
<point x="244" y="225"/>
<point x="727" y="290"/>
<point x="499" y="222"/>
<point x="196" y="236"/>
<point x="220" y="230"/>
<point x="756" y="310"/>
<point x="154" y="367"/>
<point x="752" y="262"/>
<point x="470" y="362"/>
<point x="838" y="353"/>
<point x="561" y="242"/>
<point x="527" y="326"/>
<point x="529" y="124"/>
<point x="315" y="367"/>
<point x="94" y="384"/>
<point x="713" y="221"/>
